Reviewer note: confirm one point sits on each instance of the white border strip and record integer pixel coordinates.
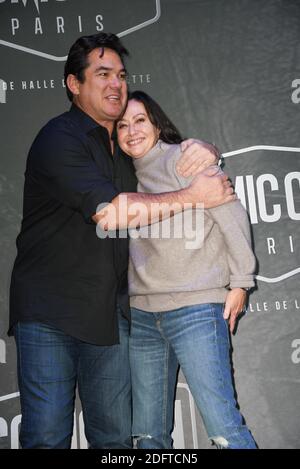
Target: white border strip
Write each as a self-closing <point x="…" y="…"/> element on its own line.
<point x="64" y="58"/>
<point x="260" y="147"/>
<point x="280" y="278"/>
<point x="9" y="396"/>
<point x="193" y="413"/>
<point x="32" y="51"/>
<point x="145" y="24"/>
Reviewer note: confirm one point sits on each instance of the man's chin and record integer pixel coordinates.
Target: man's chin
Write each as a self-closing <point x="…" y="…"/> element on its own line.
<point x="115" y="113"/>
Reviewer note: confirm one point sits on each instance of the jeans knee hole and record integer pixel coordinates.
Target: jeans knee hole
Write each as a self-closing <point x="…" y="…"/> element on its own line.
<point x="137" y="438"/>
<point x="220" y="442"/>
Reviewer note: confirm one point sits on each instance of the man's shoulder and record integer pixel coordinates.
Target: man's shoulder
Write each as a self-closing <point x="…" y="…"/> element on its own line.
<point x="64" y="121"/>
<point x="61" y="127"/>
<point x="59" y="133"/>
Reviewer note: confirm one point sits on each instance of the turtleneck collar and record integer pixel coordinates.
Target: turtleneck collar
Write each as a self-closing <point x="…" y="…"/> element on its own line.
<point x="151" y="156"/>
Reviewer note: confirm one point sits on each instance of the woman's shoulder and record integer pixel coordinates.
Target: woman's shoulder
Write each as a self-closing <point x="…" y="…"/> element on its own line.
<point x="172" y="153"/>
<point x="170" y="149"/>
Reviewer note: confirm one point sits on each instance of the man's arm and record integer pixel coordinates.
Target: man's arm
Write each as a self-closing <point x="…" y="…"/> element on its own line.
<point x="61" y="164"/>
<point x="211" y="189"/>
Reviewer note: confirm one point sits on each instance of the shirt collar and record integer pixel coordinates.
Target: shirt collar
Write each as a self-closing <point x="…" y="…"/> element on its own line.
<point x="86" y="122"/>
<point x="90" y="126"/>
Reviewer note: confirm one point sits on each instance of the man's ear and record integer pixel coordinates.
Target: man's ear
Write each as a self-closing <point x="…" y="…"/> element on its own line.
<point x="73" y="84"/>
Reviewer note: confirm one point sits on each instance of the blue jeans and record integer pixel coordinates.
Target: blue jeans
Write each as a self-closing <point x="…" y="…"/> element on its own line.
<point x="50" y="364"/>
<point x="197" y="338"/>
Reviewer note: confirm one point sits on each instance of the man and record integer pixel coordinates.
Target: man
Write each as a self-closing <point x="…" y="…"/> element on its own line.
<point x="69" y="304"/>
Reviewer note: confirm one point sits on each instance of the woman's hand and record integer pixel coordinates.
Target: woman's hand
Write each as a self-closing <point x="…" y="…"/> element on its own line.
<point x="234" y="305"/>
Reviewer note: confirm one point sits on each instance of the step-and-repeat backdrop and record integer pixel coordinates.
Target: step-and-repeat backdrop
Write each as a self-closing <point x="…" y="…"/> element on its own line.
<point x="227" y="71"/>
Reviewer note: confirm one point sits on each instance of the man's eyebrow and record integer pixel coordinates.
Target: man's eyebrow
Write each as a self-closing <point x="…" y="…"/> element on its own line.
<point x="102" y="68"/>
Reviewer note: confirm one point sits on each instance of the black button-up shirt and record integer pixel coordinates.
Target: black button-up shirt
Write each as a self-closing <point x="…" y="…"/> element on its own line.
<point x="64" y="275"/>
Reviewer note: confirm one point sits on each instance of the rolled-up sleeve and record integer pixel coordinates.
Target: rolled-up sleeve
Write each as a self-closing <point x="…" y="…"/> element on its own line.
<point x="62" y="164"/>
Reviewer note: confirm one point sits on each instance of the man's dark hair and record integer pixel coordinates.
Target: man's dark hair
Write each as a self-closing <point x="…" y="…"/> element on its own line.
<point x="168" y="131"/>
<point x="77" y="60"/>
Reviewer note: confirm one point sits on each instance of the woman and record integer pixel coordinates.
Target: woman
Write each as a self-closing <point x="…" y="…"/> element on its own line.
<point x="182" y="297"/>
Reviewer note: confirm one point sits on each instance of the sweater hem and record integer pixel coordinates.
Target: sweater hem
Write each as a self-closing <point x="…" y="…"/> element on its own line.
<point x="162" y="302"/>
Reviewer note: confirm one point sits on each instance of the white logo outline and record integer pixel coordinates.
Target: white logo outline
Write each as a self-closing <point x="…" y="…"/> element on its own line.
<point x="9" y="396"/>
<point x="241" y="151"/>
<point x="64" y="58"/>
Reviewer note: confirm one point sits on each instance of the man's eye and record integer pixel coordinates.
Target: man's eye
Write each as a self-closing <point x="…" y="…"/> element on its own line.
<point x="123" y="76"/>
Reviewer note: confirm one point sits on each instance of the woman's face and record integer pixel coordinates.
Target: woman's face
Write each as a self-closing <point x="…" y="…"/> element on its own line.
<point x="136" y="133"/>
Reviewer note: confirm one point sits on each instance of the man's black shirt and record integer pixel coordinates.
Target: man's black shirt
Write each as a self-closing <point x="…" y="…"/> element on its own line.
<point x="64" y="275"/>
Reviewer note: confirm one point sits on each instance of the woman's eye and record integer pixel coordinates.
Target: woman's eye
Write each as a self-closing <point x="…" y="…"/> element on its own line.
<point x="141" y="119"/>
<point x="121" y="126"/>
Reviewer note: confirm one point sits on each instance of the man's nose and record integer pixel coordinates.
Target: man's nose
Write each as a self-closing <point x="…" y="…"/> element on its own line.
<point x="115" y="82"/>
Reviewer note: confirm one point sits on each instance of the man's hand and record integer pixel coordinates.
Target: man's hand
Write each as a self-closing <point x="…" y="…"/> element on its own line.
<point x="211" y="187"/>
<point x="234" y="305"/>
<point x="197" y="156"/>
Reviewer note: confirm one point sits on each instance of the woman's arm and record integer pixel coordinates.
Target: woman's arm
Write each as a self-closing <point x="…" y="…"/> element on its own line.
<point x="233" y="222"/>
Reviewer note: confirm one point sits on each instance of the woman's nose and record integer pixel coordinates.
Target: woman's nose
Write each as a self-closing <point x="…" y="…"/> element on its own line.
<point x="131" y="129"/>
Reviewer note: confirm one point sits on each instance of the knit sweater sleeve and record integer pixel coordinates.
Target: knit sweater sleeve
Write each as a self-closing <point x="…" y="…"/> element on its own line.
<point x="233" y="222"/>
<point x="234" y="225"/>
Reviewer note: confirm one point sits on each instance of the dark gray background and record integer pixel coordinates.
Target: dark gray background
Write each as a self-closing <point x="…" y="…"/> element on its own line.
<point x="225" y="71"/>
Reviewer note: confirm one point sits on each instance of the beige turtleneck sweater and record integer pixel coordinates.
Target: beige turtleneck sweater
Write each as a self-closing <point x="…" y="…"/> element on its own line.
<point x="169" y="273"/>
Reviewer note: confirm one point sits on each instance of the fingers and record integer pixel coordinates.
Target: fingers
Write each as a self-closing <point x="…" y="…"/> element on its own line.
<point x="186" y="143"/>
<point x="234" y="305"/>
<point x="190" y="161"/>
<point x="224" y="176"/>
<point x="193" y="169"/>
<point x="213" y="171"/>
<point x="231" y="317"/>
<point x="228" y="188"/>
<point x="232" y="323"/>
<point x="197" y="156"/>
<point x="226" y="312"/>
<point x="229" y="198"/>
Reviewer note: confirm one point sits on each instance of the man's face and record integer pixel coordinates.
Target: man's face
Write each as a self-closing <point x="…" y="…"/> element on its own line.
<point x="103" y="94"/>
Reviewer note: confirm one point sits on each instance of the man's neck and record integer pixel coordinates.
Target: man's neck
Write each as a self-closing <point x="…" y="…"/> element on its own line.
<point x="108" y="124"/>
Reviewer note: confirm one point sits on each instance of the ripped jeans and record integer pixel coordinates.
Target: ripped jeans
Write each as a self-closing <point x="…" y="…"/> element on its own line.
<point x="196" y="338"/>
